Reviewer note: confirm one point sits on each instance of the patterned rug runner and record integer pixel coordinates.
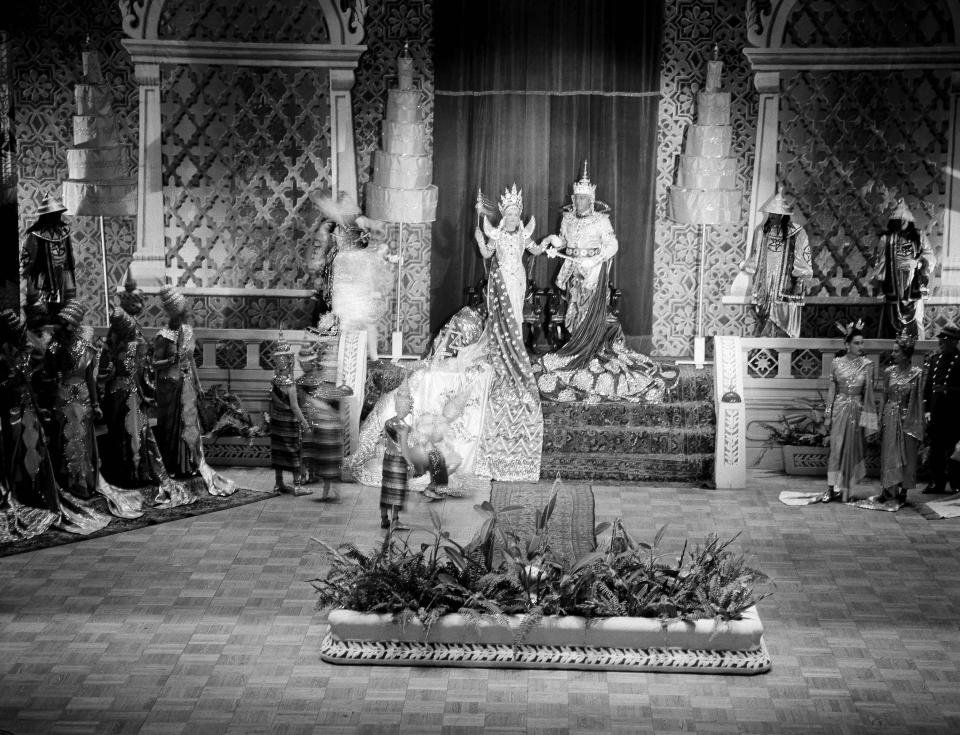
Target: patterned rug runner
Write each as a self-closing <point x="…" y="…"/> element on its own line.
<point x="206" y="503"/>
<point x="570" y="532"/>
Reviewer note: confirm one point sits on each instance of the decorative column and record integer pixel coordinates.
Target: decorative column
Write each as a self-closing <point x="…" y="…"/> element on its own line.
<point x="950" y="257"/>
<point x="343" y="163"/>
<point x="148" y="265"/>
<point x="765" y="160"/>
<point x="730" y="463"/>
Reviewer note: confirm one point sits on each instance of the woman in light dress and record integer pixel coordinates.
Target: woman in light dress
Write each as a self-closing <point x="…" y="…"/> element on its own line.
<point x="851" y="412"/>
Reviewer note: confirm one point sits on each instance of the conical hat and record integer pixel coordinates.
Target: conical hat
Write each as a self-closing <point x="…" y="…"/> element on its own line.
<point x="902" y="212"/>
<point x="172" y="300"/>
<point x="777" y="205"/>
<point x="50" y="205"/>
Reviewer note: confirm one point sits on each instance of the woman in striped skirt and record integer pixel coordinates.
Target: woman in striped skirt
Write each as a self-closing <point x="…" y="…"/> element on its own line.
<point x="322" y="445"/>
<point x="393" y="487"/>
<point x="286" y="421"/>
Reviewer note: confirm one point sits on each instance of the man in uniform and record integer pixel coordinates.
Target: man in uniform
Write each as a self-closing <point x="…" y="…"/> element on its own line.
<point x="941" y="404"/>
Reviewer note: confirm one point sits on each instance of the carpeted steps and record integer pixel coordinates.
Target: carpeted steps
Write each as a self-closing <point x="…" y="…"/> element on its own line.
<point x="634" y="442"/>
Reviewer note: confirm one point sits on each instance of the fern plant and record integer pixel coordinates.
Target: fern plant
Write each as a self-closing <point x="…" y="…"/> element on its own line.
<point x="500" y="573"/>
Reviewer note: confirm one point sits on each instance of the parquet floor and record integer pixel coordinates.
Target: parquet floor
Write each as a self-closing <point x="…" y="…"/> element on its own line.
<point x="207" y="626"/>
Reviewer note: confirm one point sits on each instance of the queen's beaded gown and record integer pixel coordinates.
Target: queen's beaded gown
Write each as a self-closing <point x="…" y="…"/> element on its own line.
<point x="853" y="412"/>
<point x="499" y="433"/>
<point x="901" y="425"/>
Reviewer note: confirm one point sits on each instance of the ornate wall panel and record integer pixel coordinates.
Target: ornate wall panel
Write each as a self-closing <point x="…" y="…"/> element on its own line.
<point x="261" y="21"/>
<point x="46" y="65"/>
<point x="864" y="23"/>
<point x="691" y="27"/>
<point x="851" y="143"/>
<point x="244" y="151"/>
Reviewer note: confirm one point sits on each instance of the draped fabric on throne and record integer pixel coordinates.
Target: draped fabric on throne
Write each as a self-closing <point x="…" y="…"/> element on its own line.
<point x="596" y="364"/>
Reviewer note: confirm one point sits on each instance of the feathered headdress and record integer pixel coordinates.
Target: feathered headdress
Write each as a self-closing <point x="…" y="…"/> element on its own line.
<point x="846" y="329"/>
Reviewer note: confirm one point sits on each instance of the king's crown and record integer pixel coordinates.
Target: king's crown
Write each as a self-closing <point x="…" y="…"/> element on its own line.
<point x="584" y="186"/>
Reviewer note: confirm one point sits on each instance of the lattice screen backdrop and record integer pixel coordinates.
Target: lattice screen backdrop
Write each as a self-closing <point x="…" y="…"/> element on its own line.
<point x="895" y="117"/>
<point x="245" y="150"/>
<point x="850" y="144"/>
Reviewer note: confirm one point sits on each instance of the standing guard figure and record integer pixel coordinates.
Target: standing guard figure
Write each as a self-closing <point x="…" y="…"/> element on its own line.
<point x="778" y="263"/>
<point x="47" y="257"/>
<point x="901" y="273"/>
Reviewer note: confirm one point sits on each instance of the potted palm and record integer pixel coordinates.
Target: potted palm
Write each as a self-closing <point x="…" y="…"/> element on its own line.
<point x="804" y="439"/>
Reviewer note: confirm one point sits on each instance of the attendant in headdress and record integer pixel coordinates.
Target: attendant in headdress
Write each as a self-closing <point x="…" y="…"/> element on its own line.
<point x="850" y="411"/>
<point x="901" y="422"/>
<point x="128" y="400"/>
<point x="322" y="444"/>
<point x="902" y="273"/>
<point x="47" y="256"/>
<point x="393" y="486"/>
<point x="70" y="364"/>
<point x="287" y="422"/>
<point x="941" y="403"/>
<point x="29" y="496"/>
<point x="779" y="264"/>
<point x="178" y="422"/>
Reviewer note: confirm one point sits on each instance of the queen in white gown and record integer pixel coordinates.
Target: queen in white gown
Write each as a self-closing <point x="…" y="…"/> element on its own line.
<point x="499" y="432"/>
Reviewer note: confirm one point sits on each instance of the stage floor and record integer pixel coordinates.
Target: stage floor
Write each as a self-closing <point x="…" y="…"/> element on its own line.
<point x="207" y="625"/>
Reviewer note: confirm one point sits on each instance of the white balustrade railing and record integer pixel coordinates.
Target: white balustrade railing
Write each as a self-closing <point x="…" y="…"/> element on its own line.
<point x="779" y="371"/>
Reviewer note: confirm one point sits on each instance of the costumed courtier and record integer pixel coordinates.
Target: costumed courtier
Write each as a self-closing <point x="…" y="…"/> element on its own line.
<point x="941" y="401"/>
<point x="321" y="447"/>
<point x="128" y="399"/>
<point x="286" y="421"/>
<point x="850" y="411"/>
<point x="47" y="256"/>
<point x="178" y="422"/>
<point x="902" y="274"/>
<point x="29" y="496"/>
<point x="595" y="364"/>
<point x="901" y="422"/>
<point x="779" y="263"/>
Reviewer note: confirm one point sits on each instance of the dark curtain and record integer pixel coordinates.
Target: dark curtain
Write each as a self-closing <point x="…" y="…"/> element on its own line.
<point x="525" y="91"/>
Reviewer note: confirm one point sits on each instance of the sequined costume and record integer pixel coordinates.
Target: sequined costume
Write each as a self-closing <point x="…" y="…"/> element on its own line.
<point x="778" y="263"/>
<point x="128" y="402"/>
<point x="590" y="242"/>
<point x="73" y="442"/>
<point x="853" y="410"/>
<point x="512" y="437"/>
<point x="29" y="496"/>
<point x="595" y="364"/>
<point x="901" y="425"/>
<point x="941" y="398"/>
<point x="178" y="423"/>
<point x="902" y="272"/>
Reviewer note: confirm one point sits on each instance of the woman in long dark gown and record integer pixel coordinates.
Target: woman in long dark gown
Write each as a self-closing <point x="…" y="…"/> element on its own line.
<point x="178" y="422"/>
<point x="29" y="497"/>
<point x="127" y="399"/>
